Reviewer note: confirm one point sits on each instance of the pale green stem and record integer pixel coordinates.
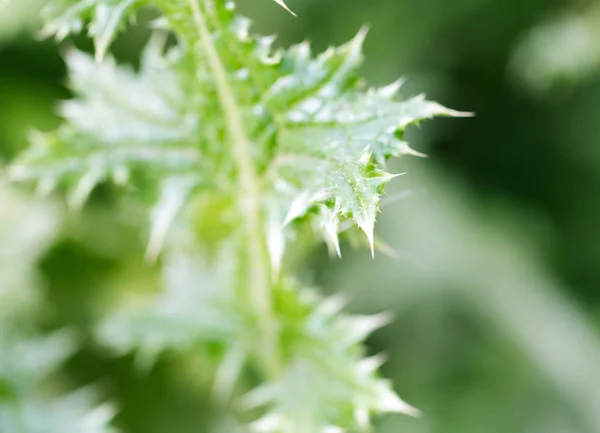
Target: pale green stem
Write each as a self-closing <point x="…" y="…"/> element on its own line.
<point x="259" y="281"/>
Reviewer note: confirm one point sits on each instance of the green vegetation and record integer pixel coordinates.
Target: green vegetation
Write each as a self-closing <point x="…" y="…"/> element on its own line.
<point x="237" y="151"/>
<point x="154" y="280"/>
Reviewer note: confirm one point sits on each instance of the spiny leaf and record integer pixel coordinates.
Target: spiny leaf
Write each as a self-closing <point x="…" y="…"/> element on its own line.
<point x="107" y="19"/>
<point x="104" y="17"/>
<point x="120" y="121"/>
<point x="196" y="303"/>
<point x="63" y="17"/>
<point x="324" y="365"/>
<point x="336" y="136"/>
<point x="325" y="382"/>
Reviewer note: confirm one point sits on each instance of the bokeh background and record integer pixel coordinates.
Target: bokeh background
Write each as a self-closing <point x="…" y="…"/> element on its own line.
<point x="493" y="261"/>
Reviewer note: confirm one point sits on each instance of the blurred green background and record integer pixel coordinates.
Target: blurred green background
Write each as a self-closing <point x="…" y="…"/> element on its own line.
<point x="496" y="237"/>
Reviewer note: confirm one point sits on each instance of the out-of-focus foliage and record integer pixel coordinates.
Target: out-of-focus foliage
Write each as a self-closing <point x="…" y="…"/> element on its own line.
<point x="560" y="50"/>
<point x="27" y="360"/>
<point x="494" y="287"/>
<point x="16" y="17"/>
<point x="102" y="19"/>
<point x="26" y="229"/>
<point x="120" y="120"/>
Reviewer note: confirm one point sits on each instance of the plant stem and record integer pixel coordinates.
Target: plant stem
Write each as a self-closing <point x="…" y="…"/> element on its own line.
<point x="249" y="199"/>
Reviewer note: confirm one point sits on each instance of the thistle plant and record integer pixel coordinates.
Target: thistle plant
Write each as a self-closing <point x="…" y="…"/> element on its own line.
<point x="239" y="153"/>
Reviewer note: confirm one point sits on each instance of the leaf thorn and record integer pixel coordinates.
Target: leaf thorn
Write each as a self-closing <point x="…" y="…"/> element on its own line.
<point x="283" y="5"/>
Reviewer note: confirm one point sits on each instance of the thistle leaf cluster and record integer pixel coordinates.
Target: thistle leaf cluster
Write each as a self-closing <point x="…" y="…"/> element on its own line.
<point x="234" y="149"/>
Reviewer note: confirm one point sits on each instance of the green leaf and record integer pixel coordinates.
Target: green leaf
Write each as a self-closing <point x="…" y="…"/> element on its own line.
<point x="63" y="17"/>
<point x="120" y="121"/>
<point x="196" y="303"/>
<point x="325" y="383"/>
<point x="324" y="365"/>
<point x="108" y="17"/>
<point x="335" y="137"/>
<point x="104" y="17"/>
